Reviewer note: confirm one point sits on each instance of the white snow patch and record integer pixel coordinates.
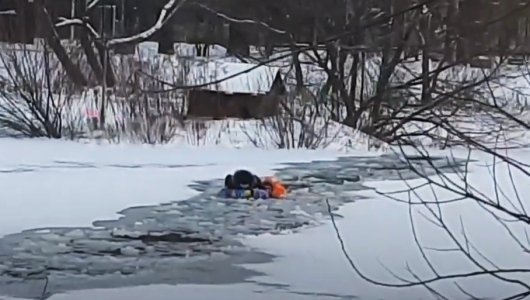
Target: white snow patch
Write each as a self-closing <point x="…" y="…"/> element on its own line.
<point x="231" y="77"/>
<point x="267" y="134"/>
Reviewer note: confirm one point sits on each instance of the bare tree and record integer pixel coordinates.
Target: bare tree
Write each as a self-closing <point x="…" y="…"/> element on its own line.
<point x="370" y="83"/>
<point x="90" y="38"/>
<point x="364" y="66"/>
<point x="24" y="81"/>
<point x="52" y="38"/>
<point x="434" y="200"/>
<point x="373" y="86"/>
<point x="135" y="113"/>
<point x="478" y="110"/>
<point x="36" y="94"/>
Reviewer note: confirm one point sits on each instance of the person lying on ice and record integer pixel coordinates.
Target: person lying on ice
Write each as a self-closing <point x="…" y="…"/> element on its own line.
<point x="244" y="184"/>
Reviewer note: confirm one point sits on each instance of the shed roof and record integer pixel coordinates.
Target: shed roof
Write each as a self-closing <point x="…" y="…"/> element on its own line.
<point x="242" y="77"/>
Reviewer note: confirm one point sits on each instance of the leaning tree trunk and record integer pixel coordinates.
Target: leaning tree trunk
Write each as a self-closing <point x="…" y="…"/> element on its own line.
<point x="88" y="46"/>
<point x="52" y="39"/>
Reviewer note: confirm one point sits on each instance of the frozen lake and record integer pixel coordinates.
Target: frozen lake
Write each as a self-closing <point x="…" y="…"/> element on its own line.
<point x="192" y="241"/>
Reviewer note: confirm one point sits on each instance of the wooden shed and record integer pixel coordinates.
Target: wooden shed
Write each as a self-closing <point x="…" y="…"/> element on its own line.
<point x="234" y="90"/>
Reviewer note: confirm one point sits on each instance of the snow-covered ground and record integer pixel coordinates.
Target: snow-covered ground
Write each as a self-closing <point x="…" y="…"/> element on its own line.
<point x="510" y="87"/>
<point x="50" y="183"/>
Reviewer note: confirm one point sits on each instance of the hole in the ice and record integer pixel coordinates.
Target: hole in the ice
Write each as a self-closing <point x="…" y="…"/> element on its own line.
<point x="172" y="237"/>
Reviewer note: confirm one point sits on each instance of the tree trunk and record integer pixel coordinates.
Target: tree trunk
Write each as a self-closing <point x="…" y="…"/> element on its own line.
<point x="451" y="42"/>
<point x="298" y="68"/>
<point x="425" y="30"/>
<point x="104" y="58"/>
<point x="88" y="46"/>
<point x="52" y="39"/>
<point x="92" y="59"/>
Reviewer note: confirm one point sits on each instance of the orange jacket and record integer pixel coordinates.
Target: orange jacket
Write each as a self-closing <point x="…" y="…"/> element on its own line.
<point x="276" y="188"/>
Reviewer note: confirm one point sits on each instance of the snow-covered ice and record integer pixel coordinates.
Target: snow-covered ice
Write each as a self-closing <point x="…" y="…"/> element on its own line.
<point x="379" y="238"/>
<point x="69" y="184"/>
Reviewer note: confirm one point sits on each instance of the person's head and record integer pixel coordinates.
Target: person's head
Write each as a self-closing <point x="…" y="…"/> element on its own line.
<point x="243" y="179"/>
